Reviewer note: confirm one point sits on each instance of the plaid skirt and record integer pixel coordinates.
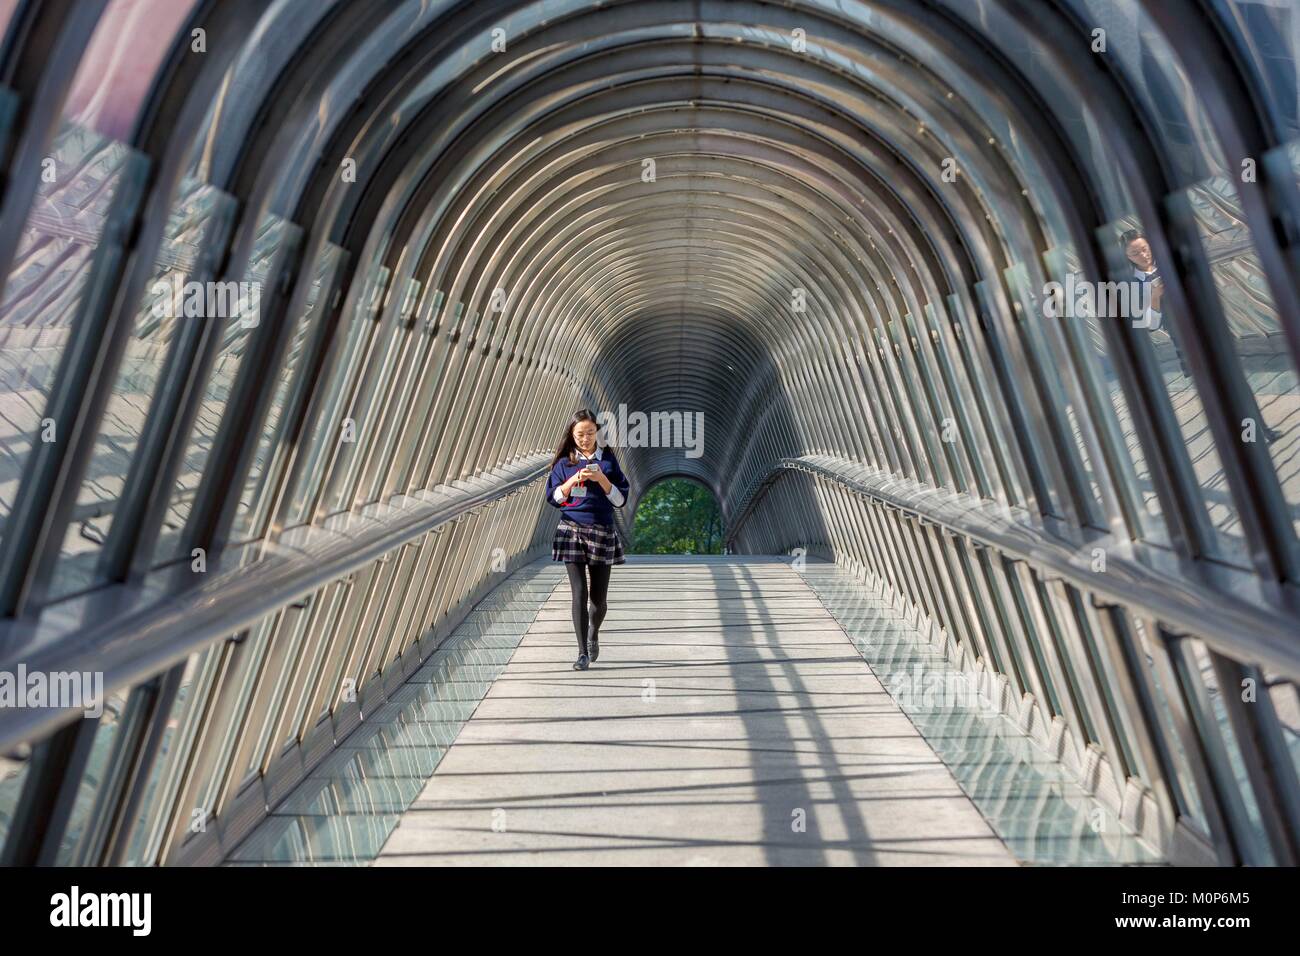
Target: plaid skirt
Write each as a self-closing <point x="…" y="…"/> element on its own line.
<point x="586" y="543"/>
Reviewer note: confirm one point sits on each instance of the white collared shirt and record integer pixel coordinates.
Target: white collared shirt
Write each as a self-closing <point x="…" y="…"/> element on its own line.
<point x="615" y="495"/>
<point x="1150" y="317"/>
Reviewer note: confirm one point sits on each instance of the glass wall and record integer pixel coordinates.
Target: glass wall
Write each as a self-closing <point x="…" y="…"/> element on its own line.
<point x="234" y="329"/>
<point x="485" y="257"/>
<point x="87" y="183"/>
<point x="195" y="230"/>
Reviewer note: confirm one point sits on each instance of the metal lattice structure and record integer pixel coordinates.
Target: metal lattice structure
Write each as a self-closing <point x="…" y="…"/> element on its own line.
<point x="847" y="237"/>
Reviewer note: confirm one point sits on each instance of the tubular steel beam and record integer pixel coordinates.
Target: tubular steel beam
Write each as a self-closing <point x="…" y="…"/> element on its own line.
<point x="160" y="624"/>
<point x="1240" y="629"/>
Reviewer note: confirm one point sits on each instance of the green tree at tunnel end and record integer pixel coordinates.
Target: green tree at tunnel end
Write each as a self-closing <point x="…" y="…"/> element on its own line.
<point x="677" y="516"/>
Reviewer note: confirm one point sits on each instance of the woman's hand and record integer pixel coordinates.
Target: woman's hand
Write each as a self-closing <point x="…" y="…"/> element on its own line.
<point x="594" y="473"/>
<point x="587" y="473"/>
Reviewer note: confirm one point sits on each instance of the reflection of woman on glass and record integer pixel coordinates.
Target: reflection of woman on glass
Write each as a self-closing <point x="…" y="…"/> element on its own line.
<point x="1137" y="249"/>
<point x="586" y="484"/>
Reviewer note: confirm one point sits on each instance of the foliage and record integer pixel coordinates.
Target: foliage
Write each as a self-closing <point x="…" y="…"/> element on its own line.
<point x="677" y="516"/>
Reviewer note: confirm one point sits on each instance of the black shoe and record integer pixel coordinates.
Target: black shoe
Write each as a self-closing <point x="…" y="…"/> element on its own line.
<point x="593" y="645"/>
<point x="581" y="663"/>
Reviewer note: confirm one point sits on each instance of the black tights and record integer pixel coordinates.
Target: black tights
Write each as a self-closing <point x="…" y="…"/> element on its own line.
<point x="582" y="613"/>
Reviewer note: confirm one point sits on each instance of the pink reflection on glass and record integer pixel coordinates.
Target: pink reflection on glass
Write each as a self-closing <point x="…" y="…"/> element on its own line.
<point x="117" y="70"/>
<point x="7" y="8"/>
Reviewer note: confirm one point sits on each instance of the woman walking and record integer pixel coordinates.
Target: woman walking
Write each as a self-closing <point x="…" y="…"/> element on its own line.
<point x="586" y="484"/>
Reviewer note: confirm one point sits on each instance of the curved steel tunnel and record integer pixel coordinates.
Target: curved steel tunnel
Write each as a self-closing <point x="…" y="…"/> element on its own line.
<point x="839" y="235"/>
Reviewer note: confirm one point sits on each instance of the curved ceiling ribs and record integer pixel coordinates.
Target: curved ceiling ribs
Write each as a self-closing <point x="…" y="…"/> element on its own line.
<point x="774" y="171"/>
<point x="827" y="228"/>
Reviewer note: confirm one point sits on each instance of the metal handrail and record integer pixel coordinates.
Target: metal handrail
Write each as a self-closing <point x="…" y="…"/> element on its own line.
<point x="130" y="633"/>
<point x="1214" y="603"/>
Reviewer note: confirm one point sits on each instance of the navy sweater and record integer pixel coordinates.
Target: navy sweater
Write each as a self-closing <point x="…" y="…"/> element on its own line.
<point x="595" y="507"/>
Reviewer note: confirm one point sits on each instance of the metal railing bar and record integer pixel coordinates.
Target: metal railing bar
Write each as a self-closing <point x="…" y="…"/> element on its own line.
<point x="1187" y="596"/>
<point x="131" y="633"/>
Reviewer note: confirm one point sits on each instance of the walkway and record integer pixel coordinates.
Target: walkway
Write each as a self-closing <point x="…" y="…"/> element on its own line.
<point x="729" y="720"/>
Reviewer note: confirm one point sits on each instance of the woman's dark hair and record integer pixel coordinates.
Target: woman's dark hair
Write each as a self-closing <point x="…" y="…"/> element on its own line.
<point x="1129" y="238"/>
<point x="567" y="445"/>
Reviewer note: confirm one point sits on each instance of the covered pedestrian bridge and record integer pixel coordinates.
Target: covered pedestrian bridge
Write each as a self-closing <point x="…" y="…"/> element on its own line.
<point x="1009" y="577"/>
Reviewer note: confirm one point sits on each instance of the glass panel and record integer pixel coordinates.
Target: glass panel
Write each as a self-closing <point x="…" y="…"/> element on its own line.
<point x="1267" y="34"/>
<point x="1164" y="89"/>
<point x="309" y="470"/>
<point x="1077" y="310"/>
<point x="242" y="673"/>
<point x="1181" y="782"/>
<point x="1074" y="672"/>
<point x="437" y="314"/>
<point x="117" y="70"/>
<point x="1286" y="704"/>
<point x="284" y="29"/>
<point x="1257" y="335"/>
<point x="1013" y="390"/>
<point x="901" y="342"/>
<point x="281" y="666"/>
<point x="1101" y="667"/>
<point x="350" y="804"/>
<point x="272" y="235"/>
<point x="909" y="435"/>
<point x="99" y="766"/>
<point x="178" y="736"/>
<point x="1204" y="674"/>
<point x="1012" y="479"/>
<point x="258" y="487"/>
<point x="365" y="407"/>
<point x="962" y="403"/>
<point x="13" y="774"/>
<point x="402" y="24"/>
<point x="1089" y="134"/>
<point x="317" y="646"/>
<point x="1035" y="639"/>
<point x="401" y="399"/>
<point x="7" y="10"/>
<point x="1063" y="417"/>
<point x="197" y="219"/>
<point x="43" y="293"/>
<point x="1023" y="791"/>
<point x="371" y="619"/>
<point x="1131" y="261"/>
<point x="337" y="685"/>
<point x="935" y="390"/>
